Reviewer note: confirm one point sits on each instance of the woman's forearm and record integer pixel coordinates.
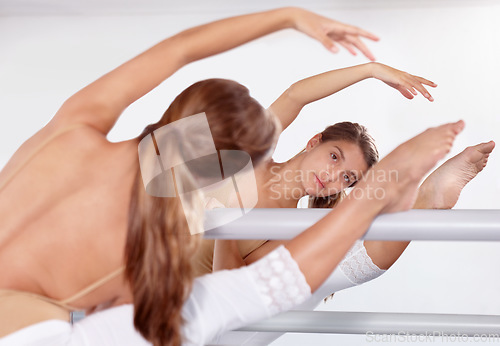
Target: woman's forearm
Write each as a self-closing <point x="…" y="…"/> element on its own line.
<point x="209" y="39"/>
<point x="320" y="86"/>
<point x="201" y="42"/>
<point x="384" y="253"/>
<point x="314" y="88"/>
<point x="111" y="94"/>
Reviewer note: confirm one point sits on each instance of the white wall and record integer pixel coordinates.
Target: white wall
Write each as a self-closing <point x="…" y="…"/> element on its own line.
<point x="43" y="60"/>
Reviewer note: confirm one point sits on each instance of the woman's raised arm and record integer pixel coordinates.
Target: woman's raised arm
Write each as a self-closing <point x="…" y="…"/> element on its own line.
<point x="101" y="103"/>
<point x="288" y="106"/>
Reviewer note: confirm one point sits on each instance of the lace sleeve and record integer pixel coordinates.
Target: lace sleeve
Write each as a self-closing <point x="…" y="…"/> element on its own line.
<point x="279" y="281"/>
<point x="358" y="267"/>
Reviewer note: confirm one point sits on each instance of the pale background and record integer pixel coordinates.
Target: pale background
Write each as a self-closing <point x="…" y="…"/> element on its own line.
<point x="50" y="49"/>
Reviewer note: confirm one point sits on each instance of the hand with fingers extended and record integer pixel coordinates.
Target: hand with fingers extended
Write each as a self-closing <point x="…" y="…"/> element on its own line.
<point x="332" y="33"/>
<point x="402" y="81"/>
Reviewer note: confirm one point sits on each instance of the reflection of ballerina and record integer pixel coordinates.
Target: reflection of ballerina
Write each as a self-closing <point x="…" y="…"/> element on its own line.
<point x="329" y="164"/>
<point x="332" y="161"/>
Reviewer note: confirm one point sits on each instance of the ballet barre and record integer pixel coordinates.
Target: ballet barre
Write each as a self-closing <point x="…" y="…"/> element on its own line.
<point x="422" y="224"/>
<point x="417" y="224"/>
<point x="337" y="322"/>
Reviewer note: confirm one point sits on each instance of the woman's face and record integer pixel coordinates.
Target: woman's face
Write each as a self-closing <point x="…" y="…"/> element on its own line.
<point x="330" y="167"/>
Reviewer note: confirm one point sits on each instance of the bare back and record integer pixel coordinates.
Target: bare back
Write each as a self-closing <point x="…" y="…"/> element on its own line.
<point x="64" y="199"/>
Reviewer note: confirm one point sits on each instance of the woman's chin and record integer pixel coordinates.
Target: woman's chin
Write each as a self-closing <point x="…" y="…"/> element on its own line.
<point x="311" y="191"/>
<point x="314" y="192"/>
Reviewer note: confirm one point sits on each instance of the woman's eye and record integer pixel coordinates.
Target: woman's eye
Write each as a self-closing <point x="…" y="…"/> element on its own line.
<point x="346" y="178"/>
<point x="334" y="156"/>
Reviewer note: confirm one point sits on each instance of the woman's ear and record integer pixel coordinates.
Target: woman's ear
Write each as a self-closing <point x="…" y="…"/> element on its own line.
<point x="314" y="141"/>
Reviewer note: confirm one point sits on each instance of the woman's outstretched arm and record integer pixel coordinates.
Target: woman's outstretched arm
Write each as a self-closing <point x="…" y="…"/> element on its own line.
<point x="288" y="106"/>
<point x="101" y="103"/>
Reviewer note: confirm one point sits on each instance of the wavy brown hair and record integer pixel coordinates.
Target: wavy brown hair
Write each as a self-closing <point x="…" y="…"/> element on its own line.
<point x="159" y="246"/>
<point x="353" y="133"/>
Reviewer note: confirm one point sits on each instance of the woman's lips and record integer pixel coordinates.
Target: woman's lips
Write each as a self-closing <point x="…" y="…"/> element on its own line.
<point x="319" y="182"/>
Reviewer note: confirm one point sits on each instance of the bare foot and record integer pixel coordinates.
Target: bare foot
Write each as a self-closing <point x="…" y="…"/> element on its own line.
<point x="442" y="188"/>
<point x="398" y="175"/>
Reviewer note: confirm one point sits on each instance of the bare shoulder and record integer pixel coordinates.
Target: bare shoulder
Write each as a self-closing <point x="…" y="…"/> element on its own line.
<point x="50" y="137"/>
<point x="82" y="136"/>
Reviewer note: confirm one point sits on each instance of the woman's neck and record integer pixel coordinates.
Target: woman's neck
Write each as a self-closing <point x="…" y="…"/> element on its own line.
<point x="280" y="184"/>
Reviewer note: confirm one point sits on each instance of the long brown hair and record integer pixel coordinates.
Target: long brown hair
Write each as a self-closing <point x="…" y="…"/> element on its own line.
<point x="159" y="245"/>
<point x="353" y="133"/>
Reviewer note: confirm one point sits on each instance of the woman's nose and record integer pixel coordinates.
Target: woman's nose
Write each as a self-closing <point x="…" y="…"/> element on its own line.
<point x="332" y="175"/>
<point x="328" y="177"/>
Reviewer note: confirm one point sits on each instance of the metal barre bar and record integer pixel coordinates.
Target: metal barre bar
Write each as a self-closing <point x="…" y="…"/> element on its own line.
<point x="422" y="224"/>
<point x="377" y="323"/>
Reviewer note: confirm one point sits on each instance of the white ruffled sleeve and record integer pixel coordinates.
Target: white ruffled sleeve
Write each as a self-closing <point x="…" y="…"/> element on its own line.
<point x="280" y="281"/>
<point x="357" y="266"/>
<point x="230" y="299"/>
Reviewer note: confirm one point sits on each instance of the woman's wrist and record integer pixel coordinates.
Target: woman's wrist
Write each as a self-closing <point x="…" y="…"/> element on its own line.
<point x="373" y="68"/>
<point x="365" y="71"/>
<point x="291" y="17"/>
